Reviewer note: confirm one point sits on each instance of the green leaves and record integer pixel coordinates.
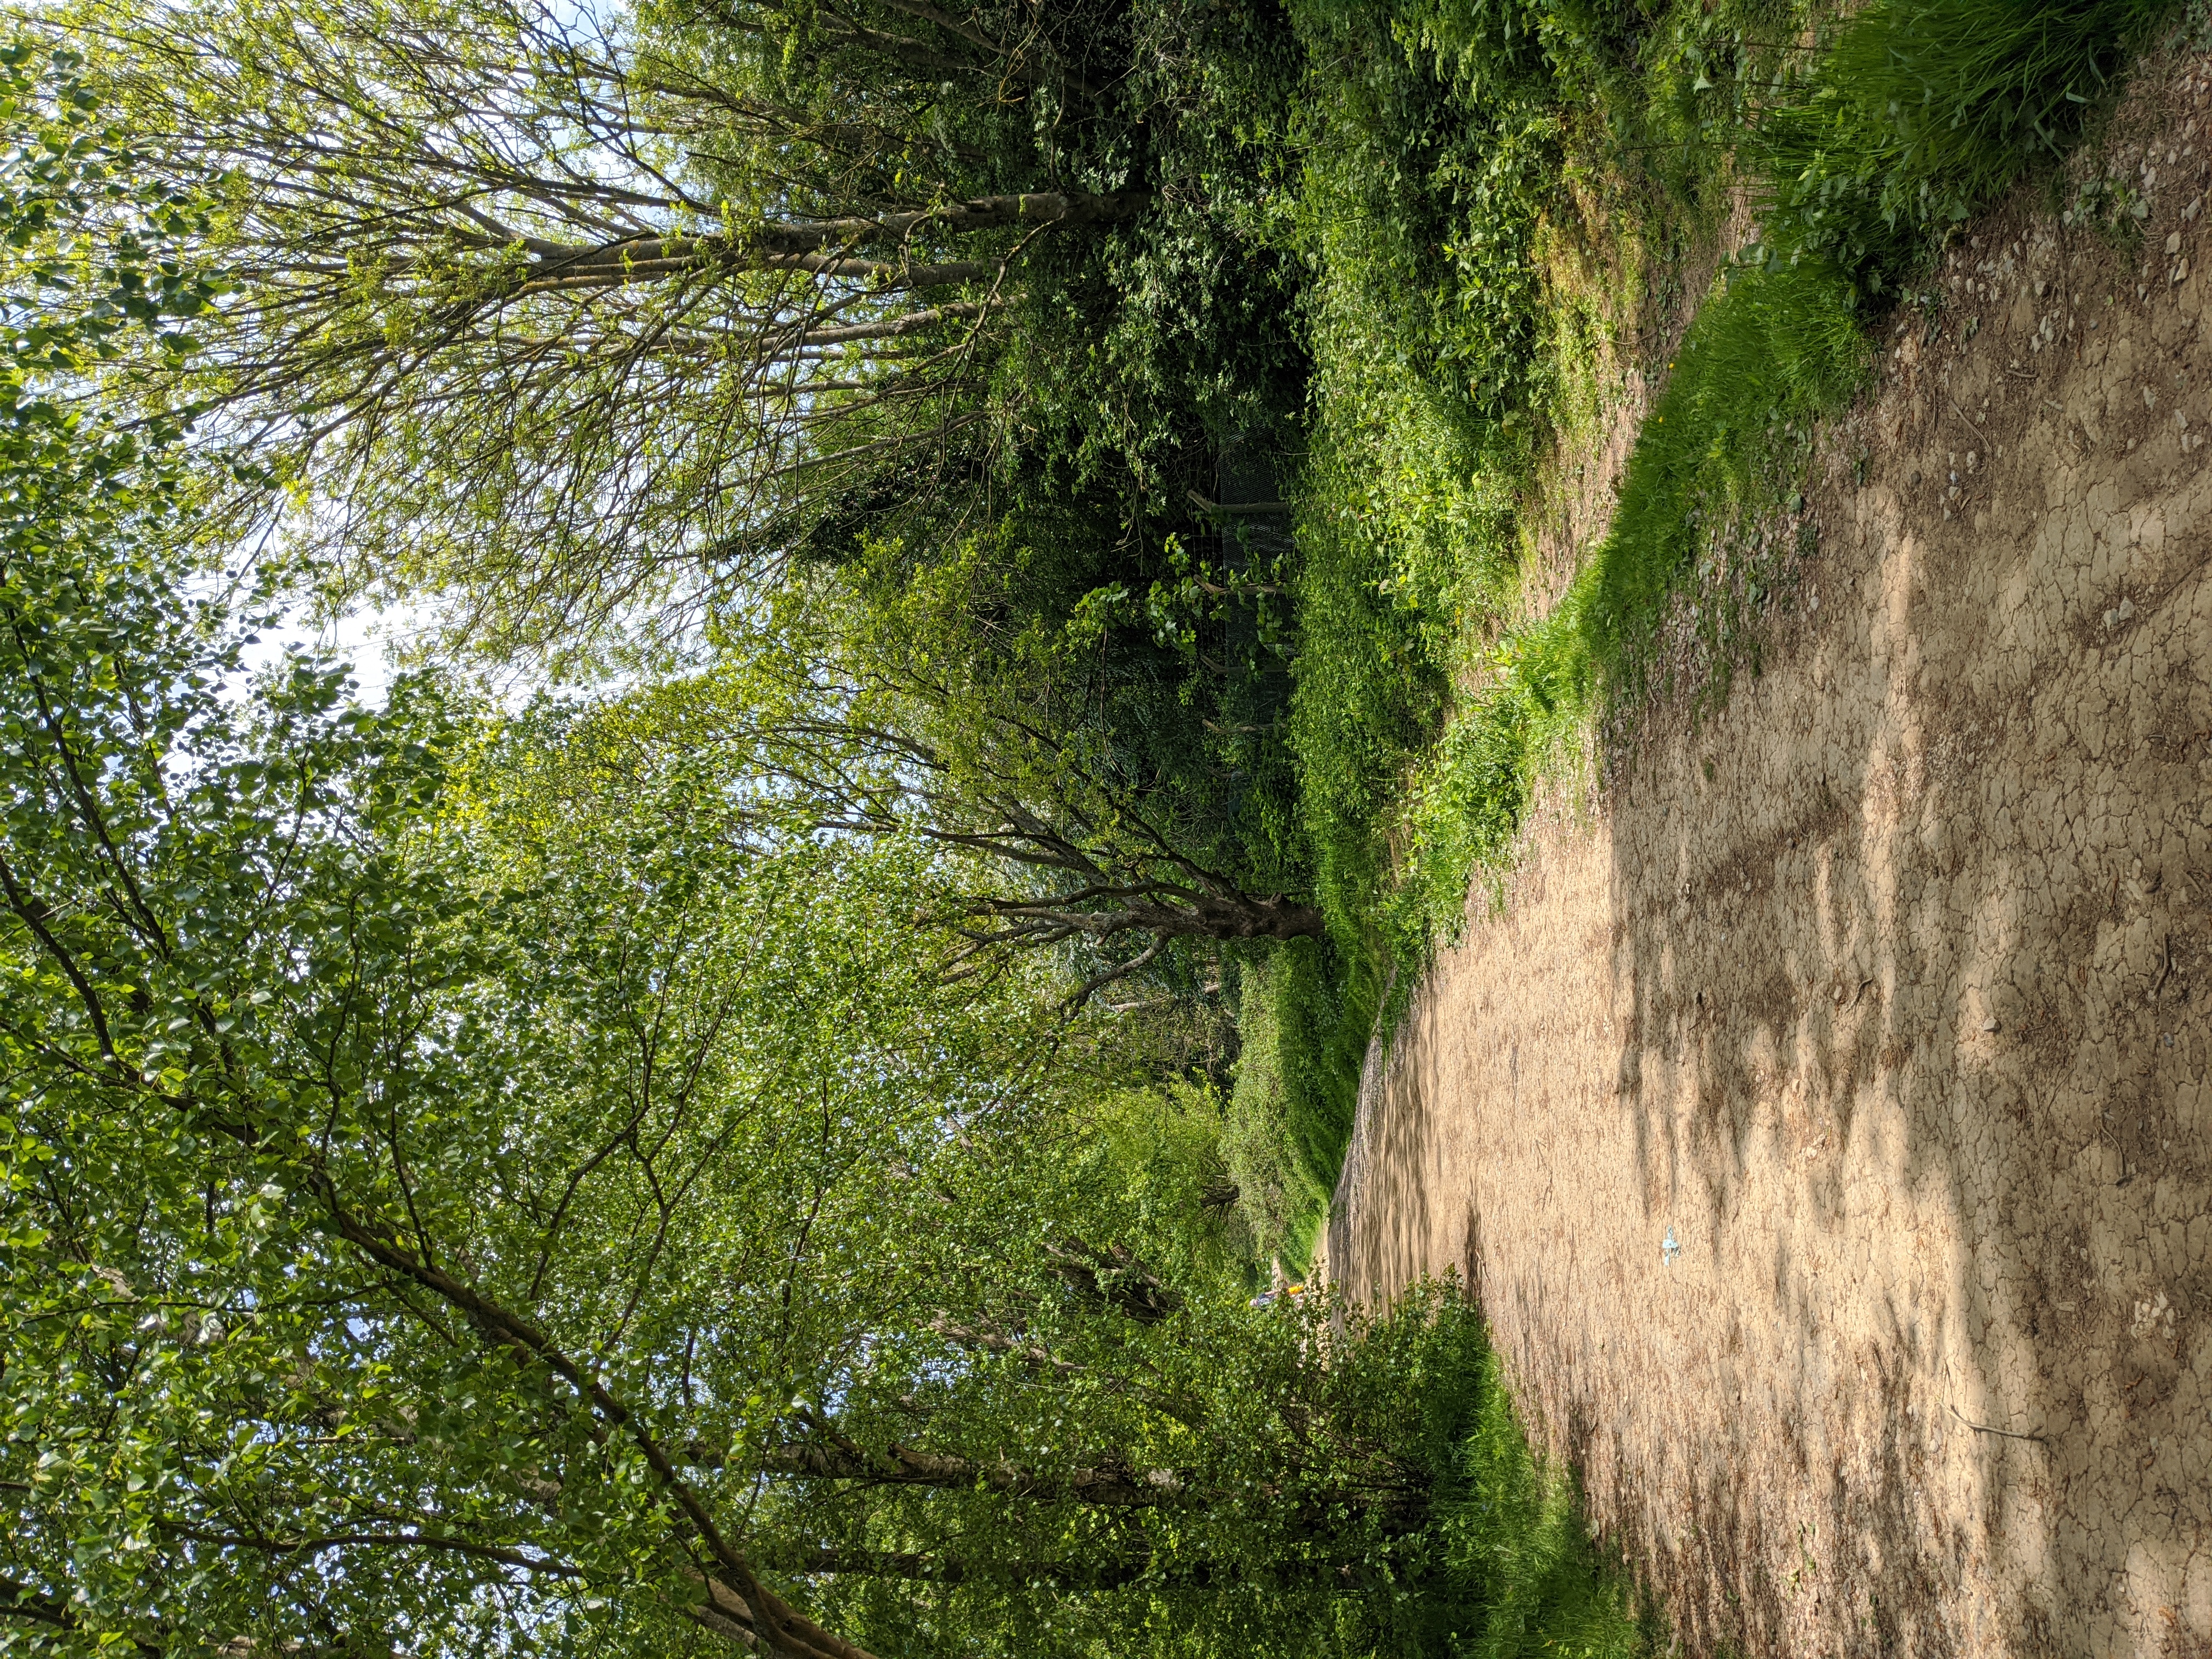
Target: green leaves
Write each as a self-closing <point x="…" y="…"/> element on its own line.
<point x="487" y="1180"/>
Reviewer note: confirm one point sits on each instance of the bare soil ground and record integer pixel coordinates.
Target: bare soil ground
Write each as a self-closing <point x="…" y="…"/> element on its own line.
<point x="1886" y="994"/>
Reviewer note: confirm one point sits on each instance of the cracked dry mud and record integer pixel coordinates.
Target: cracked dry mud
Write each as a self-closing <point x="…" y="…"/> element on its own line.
<point x="1885" y="991"/>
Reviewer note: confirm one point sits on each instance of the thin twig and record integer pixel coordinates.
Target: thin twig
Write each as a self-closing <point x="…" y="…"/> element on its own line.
<point x="1983" y="1428"/>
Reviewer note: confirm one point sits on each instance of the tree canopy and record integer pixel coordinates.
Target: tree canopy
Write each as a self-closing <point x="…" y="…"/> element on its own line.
<point x="722" y="1149"/>
<point x="479" y="1179"/>
<point x="588" y="318"/>
<point x="606" y="334"/>
<point x="463" y="1189"/>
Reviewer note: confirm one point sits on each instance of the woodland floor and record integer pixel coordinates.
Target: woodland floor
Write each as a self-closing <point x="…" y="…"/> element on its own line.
<point x="1886" y="990"/>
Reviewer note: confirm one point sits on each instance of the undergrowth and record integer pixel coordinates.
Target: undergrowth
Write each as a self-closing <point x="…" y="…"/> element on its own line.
<point x="1916" y="116"/>
<point x="1438" y="135"/>
<point x="1913" y="119"/>
<point x="1304" y="1021"/>
<point x="1766" y="357"/>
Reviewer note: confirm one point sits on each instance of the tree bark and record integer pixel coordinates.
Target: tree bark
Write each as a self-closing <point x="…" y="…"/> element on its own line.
<point x="798" y="245"/>
<point x="1107" y="1572"/>
<point x="892" y="328"/>
<point x="1051" y="207"/>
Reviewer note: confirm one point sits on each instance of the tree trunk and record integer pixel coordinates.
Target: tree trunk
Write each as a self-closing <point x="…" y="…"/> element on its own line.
<point x="1049" y="207"/>
<point x="1107" y="1572"/>
<point x="1244" y="917"/>
<point x="1114" y="1278"/>
<point x="1198" y="916"/>
<point x="1111" y="1484"/>
<point x="819" y="247"/>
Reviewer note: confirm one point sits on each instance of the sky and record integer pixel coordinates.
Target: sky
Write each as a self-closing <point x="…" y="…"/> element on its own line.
<point x="364" y="639"/>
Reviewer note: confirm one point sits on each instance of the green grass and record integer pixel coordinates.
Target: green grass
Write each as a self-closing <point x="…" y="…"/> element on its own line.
<point x="1517" y="1548"/>
<point x="1766" y="357"/>
<point x="1304" y="1022"/>
<point x="1428" y="159"/>
<point x="1919" y="114"/>
<point x="1914" y="117"/>
<point x="1507" y="1569"/>
<point x="1501" y="1566"/>
<point x="1443" y="344"/>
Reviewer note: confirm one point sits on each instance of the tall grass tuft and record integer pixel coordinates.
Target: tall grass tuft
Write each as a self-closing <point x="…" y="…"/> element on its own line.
<point x="1517" y="1557"/>
<point x="1922" y="113"/>
<point x="1304" y="1018"/>
<point x="1766" y="357"/>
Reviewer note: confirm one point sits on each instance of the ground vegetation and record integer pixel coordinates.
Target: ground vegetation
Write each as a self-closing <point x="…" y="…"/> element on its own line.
<point x="1439" y="679"/>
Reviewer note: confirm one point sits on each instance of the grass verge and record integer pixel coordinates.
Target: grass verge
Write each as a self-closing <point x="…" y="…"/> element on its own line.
<point x="1304" y="1022"/>
<point x="1507" y="1569"/>
<point x="1517" y="1549"/>
<point x="1912" y="120"/>
<point x="1765" y="358"/>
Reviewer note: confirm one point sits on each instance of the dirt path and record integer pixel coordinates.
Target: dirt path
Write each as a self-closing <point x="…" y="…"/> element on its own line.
<point x="1888" y="997"/>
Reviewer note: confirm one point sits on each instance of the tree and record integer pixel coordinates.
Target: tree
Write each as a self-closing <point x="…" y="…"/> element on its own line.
<point x="424" y="1155"/>
<point x="426" y="1159"/>
<point x="1073" y="818"/>
<point x="236" y="1035"/>
<point x="587" y="324"/>
<point x="580" y="321"/>
<point x="465" y="1186"/>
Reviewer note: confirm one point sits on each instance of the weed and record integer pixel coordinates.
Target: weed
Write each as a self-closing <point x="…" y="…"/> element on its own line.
<point x="2112" y="208"/>
<point x="1517" y="1549"/>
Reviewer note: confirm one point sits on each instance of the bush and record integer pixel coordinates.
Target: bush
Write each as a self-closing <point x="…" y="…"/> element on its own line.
<point x="1431" y="159"/>
<point x="1765" y="358"/>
